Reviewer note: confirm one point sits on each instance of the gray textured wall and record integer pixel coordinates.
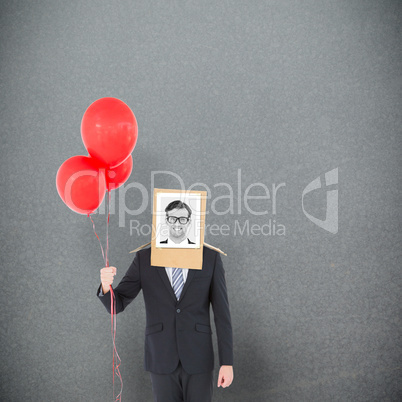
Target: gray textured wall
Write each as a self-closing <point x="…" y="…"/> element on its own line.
<point x="279" y="91"/>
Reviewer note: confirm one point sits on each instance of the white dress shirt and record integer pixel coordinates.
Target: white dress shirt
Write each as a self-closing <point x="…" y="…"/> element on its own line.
<point x="169" y="270"/>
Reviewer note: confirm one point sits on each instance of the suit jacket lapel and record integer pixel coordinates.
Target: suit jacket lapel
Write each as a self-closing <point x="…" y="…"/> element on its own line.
<point x="190" y="276"/>
<point x="162" y="273"/>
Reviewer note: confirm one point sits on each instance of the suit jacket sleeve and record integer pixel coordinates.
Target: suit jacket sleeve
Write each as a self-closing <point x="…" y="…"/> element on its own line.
<point x="220" y="305"/>
<point x="127" y="289"/>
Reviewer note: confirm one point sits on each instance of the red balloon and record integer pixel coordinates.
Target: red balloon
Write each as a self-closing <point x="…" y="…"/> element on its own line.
<point x="119" y="175"/>
<point x="109" y="131"/>
<point x="80" y="184"/>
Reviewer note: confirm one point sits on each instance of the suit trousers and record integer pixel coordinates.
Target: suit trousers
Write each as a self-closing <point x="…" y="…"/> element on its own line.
<point x="180" y="386"/>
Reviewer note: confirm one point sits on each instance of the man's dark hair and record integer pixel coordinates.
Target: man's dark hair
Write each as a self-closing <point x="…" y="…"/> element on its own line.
<point x="178" y="205"/>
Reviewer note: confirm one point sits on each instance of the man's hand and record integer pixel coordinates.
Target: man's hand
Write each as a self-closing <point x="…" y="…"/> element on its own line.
<point x="107" y="275"/>
<point x="225" y="376"/>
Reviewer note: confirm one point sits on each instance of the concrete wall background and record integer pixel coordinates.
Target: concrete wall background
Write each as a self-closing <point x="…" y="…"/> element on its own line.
<point x="273" y="91"/>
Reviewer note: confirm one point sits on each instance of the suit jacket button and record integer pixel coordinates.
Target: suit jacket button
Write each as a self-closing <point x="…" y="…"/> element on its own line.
<point x="178" y="310"/>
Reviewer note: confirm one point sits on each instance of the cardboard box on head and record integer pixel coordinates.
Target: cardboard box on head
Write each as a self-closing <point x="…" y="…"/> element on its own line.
<point x="178" y="223"/>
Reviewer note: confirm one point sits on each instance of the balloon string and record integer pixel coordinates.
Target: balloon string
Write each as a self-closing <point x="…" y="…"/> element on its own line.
<point x="113" y="313"/>
<point x="116" y="357"/>
<point x="104" y="253"/>
<point x="93" y="225"/>
<point x="107" y="229"/>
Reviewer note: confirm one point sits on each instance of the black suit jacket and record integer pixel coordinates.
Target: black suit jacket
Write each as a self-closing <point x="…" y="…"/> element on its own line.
<point x="179" y="330"/>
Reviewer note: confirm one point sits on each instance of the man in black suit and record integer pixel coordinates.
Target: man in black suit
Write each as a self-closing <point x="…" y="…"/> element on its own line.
<point x="178" y="219"/>
<point x="178" y="335"/>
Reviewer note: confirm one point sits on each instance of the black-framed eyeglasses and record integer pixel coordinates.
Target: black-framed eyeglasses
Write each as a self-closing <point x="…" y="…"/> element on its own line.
<point x="173" y="219"/>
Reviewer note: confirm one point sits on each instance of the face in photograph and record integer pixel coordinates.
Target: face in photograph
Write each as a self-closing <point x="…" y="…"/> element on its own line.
<point x="178" y="220"/>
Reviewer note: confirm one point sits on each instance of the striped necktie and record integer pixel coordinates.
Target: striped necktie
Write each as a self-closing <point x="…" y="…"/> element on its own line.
<point x="177" y="281"/>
